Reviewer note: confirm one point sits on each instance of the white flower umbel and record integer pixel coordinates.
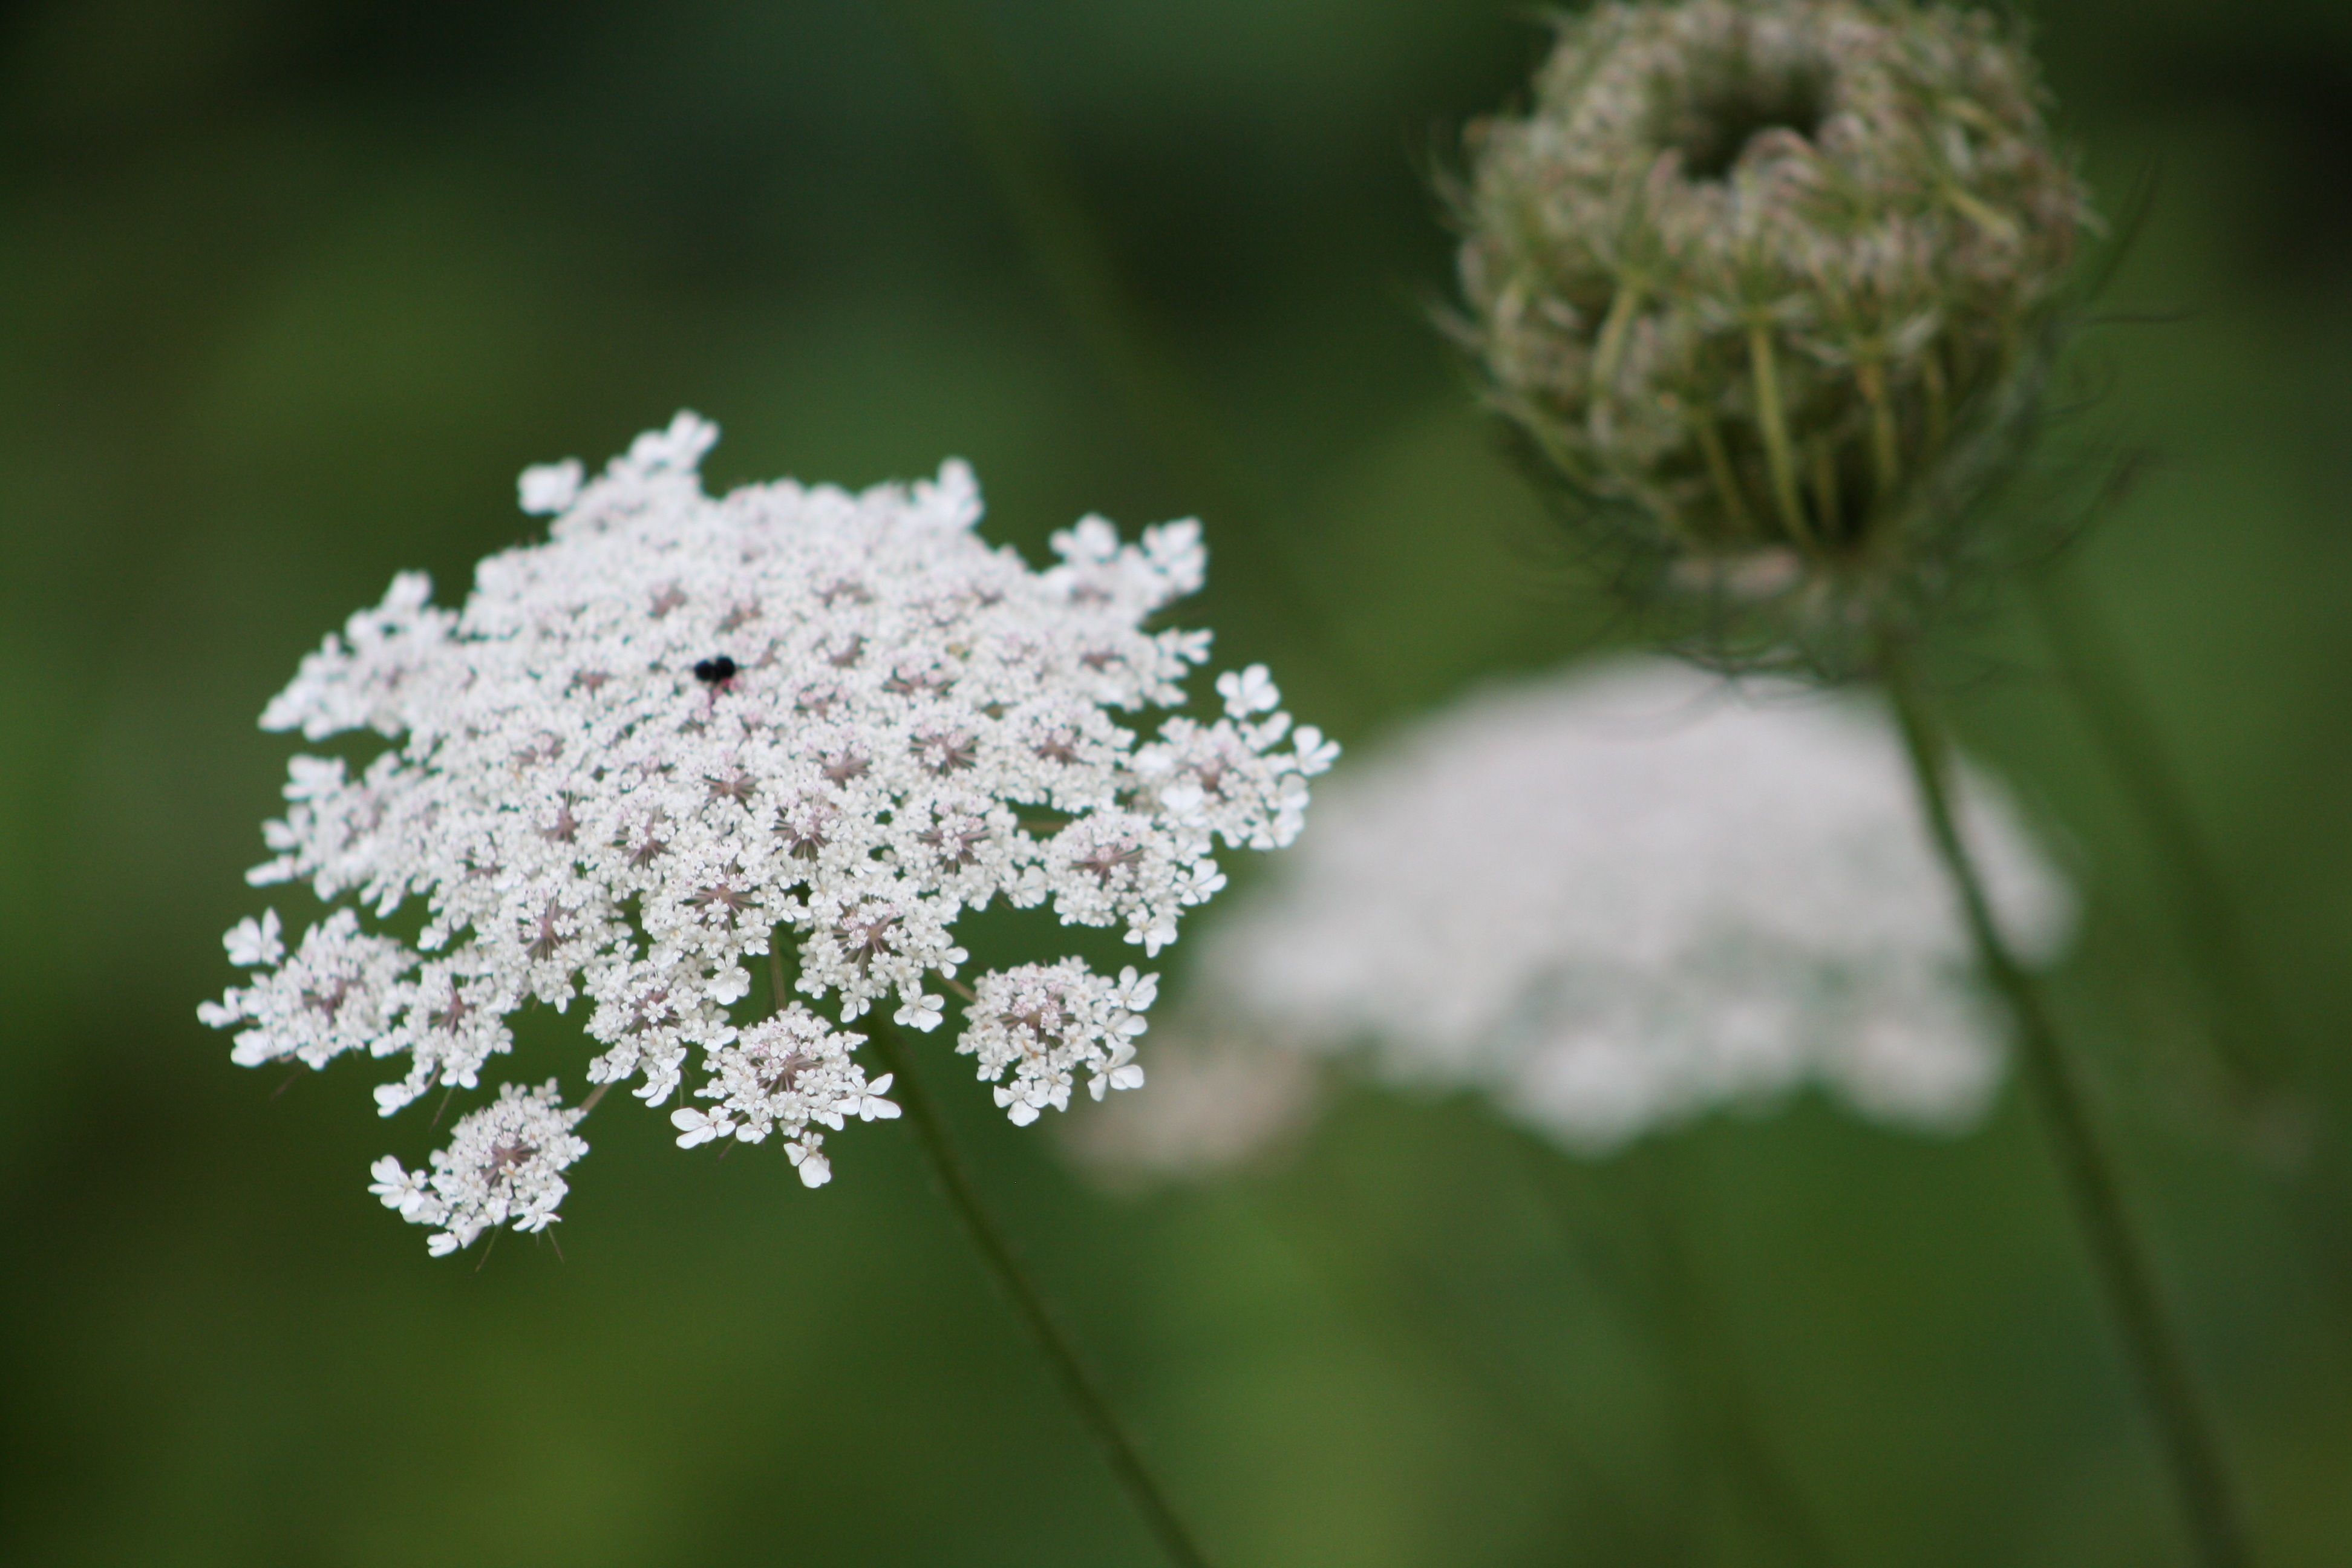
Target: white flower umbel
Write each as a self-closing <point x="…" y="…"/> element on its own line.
<point x="504" y="1165"/>
<point x="683" y="724"/>
<point x="1043" y="1022"/>
<point x="779" y="1077"/>
<point x="340" y="991"/>
<point x="1618" y="898"/>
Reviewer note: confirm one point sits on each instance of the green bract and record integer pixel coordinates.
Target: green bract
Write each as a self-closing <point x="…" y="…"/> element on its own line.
<point x="1770" y="287"/>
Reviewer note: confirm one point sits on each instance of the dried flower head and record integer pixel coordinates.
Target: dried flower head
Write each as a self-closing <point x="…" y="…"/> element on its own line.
<point x="1615" y="900"/>
<point x="1770" y="286"/>
<point x="685" y="727"/>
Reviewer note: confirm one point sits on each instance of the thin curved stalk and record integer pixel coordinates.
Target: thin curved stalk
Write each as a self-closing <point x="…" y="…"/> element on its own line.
<point x="1612" y="348"/>
<point x="2150" y="1341"/>
<point x="1039" y="190"/>
<point x="1709" y="1385"/>
<point x="1408" y="1302"/>
<point x="1085" y="1393"/>
<point x="1885" y="449"/>
<point x="1719" y="470"/>
<point x="1703" y="1343"/>
<point x="1772" y="424"/>
<point x="2245" y="1027"/>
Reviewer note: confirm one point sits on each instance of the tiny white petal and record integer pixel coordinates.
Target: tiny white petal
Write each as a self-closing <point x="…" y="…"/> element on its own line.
<point x="550" y="487"/>
<point x="252" y="943"/>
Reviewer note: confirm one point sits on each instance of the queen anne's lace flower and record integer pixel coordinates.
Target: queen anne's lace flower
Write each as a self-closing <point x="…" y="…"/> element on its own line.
<point x="683" y="724"/>
<point x="778" y="1076"/>
<point x="1041" y="1023"/>
<point x="504" y="1165"/>
<point x="1613" y="901"/>
<point x="340" y="991"/>
<point x="1770" y="286"/>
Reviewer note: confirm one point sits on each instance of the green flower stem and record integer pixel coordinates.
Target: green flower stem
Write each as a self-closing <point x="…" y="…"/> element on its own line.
<point x="1612" y="348"/>
<point x="1998" y="224"/>
<point x="1886" y="449"/>
<point x="2245" y="1028"/>
<point x="1039" y="191"/>
<point x="2117" y="1255"/>
<point x="1671" y="1301"/>
<point x="1718" y="468"/>
<point x="1724" y="1409"/>
<point x="1774" y="424"/>
<point x="1939" y="397"/>
<point x="1086" y="1395"/>
<point x="1825" y="487"/>
<point x="1413" y="1303"/>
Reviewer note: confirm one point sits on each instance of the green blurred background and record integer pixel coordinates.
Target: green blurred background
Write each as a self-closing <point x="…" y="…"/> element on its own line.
<point x="289" y="291"/>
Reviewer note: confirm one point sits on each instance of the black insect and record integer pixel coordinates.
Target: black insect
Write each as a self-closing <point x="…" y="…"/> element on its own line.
<point x="717" y="671"/>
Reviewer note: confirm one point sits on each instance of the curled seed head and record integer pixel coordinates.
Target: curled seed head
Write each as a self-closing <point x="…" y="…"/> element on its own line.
<point x="1769" y="287"/>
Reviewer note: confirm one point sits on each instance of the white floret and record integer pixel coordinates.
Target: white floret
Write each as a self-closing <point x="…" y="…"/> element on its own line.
<point x="504" y="1165"/>
<point x="1041" y="1025"/>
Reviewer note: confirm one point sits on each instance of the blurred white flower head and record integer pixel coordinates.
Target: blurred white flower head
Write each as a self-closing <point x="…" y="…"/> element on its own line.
<point x="1616" y="899"/>
<point x="1220" y="1098"/>
<point x="684" y="722"/>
